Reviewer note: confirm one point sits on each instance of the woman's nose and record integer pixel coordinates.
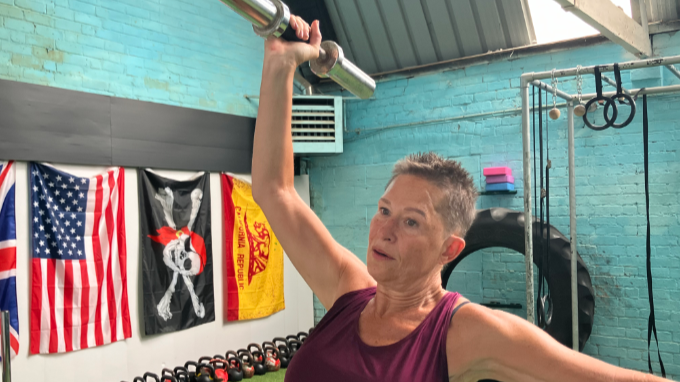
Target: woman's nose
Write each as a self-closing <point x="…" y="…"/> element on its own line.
<point x="387" y="230"/>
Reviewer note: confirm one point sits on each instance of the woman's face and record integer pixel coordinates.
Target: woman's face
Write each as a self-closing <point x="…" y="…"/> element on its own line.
<point x="407" y="239"/>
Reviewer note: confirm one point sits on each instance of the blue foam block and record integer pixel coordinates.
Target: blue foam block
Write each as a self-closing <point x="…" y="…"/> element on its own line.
<point x="500" y="187"/>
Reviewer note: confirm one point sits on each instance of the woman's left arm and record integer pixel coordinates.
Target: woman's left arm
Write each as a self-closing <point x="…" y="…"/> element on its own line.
<point x="488" y="344"/>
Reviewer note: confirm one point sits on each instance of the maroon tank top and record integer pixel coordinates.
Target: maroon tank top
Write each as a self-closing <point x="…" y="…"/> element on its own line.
<point x="334" y="352"/>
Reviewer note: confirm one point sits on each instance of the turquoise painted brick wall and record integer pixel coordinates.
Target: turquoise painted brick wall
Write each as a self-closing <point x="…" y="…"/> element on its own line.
<point x="192" y="53"/>
<point x="609" y="185"/>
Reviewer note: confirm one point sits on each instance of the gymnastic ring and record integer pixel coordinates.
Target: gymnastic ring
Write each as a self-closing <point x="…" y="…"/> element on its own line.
<point x="633" y="108"/>
<point x="609" y="101"/>
<point x="501" y="227"/>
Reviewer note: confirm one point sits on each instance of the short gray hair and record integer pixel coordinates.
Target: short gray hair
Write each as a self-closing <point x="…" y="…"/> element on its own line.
<point x="457" y="207"/>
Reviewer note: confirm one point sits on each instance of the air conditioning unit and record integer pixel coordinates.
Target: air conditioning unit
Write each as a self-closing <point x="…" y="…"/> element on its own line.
<point x="317" y="125"/>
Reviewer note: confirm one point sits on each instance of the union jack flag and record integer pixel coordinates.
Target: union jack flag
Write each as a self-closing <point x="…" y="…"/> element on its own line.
<point x="8" y="253"/>
<point x="79" y="288"/>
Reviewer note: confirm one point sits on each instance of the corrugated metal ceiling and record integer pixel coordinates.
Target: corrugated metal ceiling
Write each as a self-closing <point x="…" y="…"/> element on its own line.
<point x="662" y="10"/>
<point x="385" y="35"/>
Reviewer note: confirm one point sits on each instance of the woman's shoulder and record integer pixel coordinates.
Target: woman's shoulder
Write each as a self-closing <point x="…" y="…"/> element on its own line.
<point x="355" y="296"/>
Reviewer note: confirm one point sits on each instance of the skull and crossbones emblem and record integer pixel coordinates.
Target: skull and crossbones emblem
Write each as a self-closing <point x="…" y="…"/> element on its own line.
<point x="184" y="253"/>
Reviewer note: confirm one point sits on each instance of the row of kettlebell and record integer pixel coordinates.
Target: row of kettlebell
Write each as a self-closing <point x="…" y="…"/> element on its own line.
<point x="235" y="365"/>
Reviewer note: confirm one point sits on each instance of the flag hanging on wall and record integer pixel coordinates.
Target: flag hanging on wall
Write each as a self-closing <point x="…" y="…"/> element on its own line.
<point x="79" y="272"/>
<point x="8" y="252"/>
<point x="254" y="257"/>
<point x="176" y="252"/>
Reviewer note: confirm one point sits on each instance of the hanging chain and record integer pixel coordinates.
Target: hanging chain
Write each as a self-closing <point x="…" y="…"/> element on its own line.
<point x="553" y="83"/>
<point x="579" y="82"/>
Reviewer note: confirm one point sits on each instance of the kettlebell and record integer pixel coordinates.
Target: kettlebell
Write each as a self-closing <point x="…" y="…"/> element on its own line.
<point x="168" y="378"/>
<point x="235" y="366"/>
<point x="205" y="359"/>
<point x="302" y="336"/>
<point x="138" y="379"/>
<point x="247" y="364"/>
<point x="221" y="368"/>
<point x="292" y="337"/>
<point x="284" y="353"/>
<point x="258" y="359"/>
<point x="192" y="374"/>
<point x="181" y="373"/>
<point x="205" y="373"/>
<point x="150" y="375"/>
<point x="293" y="346"/>
<point x="167" y="371"/>
<point x="271" y="356"/>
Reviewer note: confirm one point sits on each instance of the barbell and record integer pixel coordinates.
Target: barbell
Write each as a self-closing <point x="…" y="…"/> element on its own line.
<point x="272" y="17"/>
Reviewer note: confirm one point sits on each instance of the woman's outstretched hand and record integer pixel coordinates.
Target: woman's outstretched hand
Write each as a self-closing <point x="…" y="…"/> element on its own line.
<point x="291" y="54"/>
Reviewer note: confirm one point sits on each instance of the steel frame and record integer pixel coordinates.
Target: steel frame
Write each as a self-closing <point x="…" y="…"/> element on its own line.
<point x="534" y="79"/>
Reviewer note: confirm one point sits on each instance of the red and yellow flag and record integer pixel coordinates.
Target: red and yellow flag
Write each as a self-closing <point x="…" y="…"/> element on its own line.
<point x="254" y="257"/>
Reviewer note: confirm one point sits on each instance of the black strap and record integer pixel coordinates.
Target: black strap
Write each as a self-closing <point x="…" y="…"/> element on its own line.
<point x="617" y="75"/>
<point x="598" y="81"/>
<point x="546" y="255"/>
<point x="456" y="309"/>
<point x="541" y="251"/>
<point x="652" y="320"/>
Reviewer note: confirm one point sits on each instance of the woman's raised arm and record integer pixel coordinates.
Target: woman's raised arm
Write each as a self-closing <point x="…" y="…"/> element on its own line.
<point x="328" y="268"/>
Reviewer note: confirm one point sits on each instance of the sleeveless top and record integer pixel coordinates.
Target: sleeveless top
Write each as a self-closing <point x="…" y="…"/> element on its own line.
<point x="334" y="351"/>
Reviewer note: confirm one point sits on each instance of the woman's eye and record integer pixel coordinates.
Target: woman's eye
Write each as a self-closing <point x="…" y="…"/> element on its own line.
<point x="384" y="211"/>
<point x="411" y="223"/>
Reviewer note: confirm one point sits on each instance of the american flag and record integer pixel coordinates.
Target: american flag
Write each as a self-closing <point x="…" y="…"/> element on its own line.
<point x="8" y="253"/>
<point x="79" y="289"/>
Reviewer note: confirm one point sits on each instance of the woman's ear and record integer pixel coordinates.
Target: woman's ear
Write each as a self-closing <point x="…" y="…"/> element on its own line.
<point x="453" y="246"/>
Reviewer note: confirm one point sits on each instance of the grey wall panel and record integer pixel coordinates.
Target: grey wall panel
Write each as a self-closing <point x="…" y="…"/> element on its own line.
<point x="146" y="121"/>
<point x="47" y="124"/>
<point x="50" y="124"/>
<point x="163" y="155"/>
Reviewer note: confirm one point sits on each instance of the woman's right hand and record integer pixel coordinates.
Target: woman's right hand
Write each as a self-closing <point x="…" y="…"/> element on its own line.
<point x="279" y="52"/>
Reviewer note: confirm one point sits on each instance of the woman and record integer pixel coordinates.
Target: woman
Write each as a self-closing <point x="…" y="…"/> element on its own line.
<point x="390" y="320"/>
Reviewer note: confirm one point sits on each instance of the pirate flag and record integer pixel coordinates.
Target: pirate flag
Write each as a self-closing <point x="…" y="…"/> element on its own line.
<point x="176" y="252"/>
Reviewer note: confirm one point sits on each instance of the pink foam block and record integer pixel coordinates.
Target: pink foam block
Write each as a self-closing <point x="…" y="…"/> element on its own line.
<point x="499" y="179"/>
<point x="497" y="171"/>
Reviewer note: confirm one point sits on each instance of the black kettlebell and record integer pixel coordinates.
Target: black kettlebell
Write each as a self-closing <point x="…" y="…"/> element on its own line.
<point x="302" y="336"/>
<point x="293" y="346"/>
<point x="192" y="374"/>
<point x="284" y="353"/>
<point x="205" y="373"/>
<point x="247" y="364"/>
<point x="203" y="360"/>
<point x="235" y="366"/>
<point x="148" y="375"/>
<point x="258" y="359"/>
<point x="167" y="371"/>
<point x="181" y="373"/>
<point x="138" y="379"/>
<point x="168" y="378"/>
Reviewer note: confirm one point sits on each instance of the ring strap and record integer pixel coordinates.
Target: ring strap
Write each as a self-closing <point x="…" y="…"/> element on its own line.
<point x="598" y="81"/>
<point x="617" y="75"/>
<point x="651" y="327"/>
